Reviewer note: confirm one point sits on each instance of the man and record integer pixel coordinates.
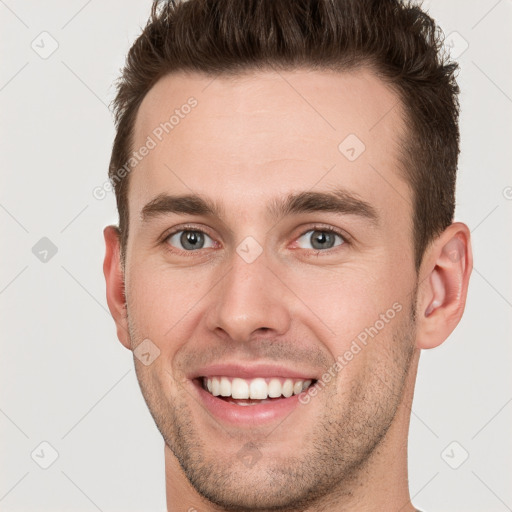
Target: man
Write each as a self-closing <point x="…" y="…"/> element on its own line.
<point x="285" y="178"/>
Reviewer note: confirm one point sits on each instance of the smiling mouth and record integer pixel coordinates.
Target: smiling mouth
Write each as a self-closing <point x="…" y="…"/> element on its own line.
<point x="255" y="391"/>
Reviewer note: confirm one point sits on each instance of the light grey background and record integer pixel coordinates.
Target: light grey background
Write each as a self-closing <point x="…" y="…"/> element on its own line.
<point x="64" y="377"/>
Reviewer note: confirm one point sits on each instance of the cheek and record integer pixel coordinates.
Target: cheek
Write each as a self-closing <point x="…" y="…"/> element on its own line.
<point x="353" y="310"/>
<point x="346" y="298"/>
<point x="161" y="301"/>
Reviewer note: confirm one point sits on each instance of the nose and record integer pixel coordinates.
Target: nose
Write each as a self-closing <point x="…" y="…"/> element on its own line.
<point x="249" y="300"/>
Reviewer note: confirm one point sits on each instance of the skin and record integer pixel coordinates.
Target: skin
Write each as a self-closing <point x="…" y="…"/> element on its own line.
<point x="250" y="139"/>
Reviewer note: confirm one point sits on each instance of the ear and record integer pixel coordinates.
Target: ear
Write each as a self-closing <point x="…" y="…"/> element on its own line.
<point x="443" y="285"/>
<point x="114" y="277"/>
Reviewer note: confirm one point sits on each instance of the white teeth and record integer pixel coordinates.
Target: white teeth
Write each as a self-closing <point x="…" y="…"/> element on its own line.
<point x="239" y="388"/>
<point x="225" y="387"/>
<point x="257" y="389"/>
<point x="288" y="388"/>
<point x="297" y="387"/>
<point x="274" y="388"/>
<point x="215" y="387"/>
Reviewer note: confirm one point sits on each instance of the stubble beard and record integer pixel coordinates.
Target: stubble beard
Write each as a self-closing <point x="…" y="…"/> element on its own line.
<point x="323" y="470"/>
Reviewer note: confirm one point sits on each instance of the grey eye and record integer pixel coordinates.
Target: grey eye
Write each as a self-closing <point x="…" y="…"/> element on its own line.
<point x="321" y="239"/>
<point x="190" y="240"/>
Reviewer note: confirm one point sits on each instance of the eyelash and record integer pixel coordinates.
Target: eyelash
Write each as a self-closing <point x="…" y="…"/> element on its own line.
<point x="346" y="239"/>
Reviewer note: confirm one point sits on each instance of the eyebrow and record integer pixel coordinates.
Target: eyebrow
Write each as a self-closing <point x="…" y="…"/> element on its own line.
<point x="338" y="201"/>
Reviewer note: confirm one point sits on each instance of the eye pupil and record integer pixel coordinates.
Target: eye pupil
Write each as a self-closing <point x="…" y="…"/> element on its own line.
<point x="191" y="239"/>
<point x="323" y="238"/>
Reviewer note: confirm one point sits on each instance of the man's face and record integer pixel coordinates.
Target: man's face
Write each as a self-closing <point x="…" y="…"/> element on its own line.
<point x="258" y="291"/>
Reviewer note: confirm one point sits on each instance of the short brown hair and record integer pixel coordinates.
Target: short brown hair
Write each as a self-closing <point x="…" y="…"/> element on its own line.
<point x="399" y="41"/>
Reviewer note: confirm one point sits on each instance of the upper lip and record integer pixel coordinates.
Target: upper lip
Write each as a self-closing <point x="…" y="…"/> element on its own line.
<point x="250" y="371"/>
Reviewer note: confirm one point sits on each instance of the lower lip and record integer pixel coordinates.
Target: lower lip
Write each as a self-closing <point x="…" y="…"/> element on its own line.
<point x="249" y="415"/>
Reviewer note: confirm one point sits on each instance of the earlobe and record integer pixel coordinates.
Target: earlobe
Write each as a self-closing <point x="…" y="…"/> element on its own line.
<point x="443" y="288"/>
<point x="114" y="278"/>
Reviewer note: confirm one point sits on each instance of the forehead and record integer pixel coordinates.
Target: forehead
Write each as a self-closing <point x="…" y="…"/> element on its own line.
<point x="239" y="138"/>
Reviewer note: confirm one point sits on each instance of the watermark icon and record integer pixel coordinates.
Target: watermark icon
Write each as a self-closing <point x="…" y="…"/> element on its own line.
<point x="44" y="45"/>
<point x="357" y="345"/>
<point x="351" y="147"/>
<point x="507" y="193"/>
<point x="146" y="352"/>
<point x="455" y="44"/>
<point x="157" y="135"/>
<point x="44" y="455"/>
<point x="455" y="455"/>
<point x="249" y="249"/>
<point x="249" y="454"/>
<point x="455" y="250"/>
<point x="44" y="250"/>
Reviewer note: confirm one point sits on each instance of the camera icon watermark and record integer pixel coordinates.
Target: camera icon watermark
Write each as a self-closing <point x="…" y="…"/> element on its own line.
<point x="44" y="455"/>
<point x="351" y="147"/>
<point x="249" y="454"/>
<point x="249" y="249"/>
<point x="44" y="250"/>
<point x="455" y="455"/>
<point x="455" y="44"/>
<point x="44" y="45"/>
<point x="146" y="352"/>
